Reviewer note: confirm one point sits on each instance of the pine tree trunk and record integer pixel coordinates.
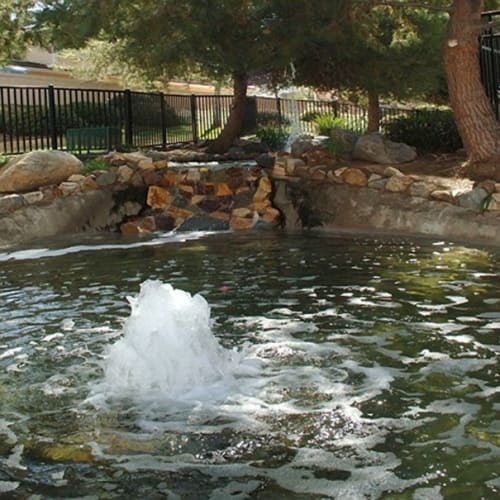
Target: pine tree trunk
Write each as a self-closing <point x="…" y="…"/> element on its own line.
<point x="373" y="111"/>
<point x="233" y="126"/>
<point x="476" y="122"/>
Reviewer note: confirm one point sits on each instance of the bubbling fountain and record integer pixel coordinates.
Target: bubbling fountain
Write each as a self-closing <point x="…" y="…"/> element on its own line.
<point x="168" y="351"/>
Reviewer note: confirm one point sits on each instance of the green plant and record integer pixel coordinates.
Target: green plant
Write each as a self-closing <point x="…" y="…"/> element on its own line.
<point x="3" y="159"/>
<point x="272" y="135"/>
<point x="429" y="130"/>
<point x="95" y="164"/>
<point x="325" y="123"/>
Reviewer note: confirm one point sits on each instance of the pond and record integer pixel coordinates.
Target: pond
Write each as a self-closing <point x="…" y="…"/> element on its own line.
<point x="309" y="366"/>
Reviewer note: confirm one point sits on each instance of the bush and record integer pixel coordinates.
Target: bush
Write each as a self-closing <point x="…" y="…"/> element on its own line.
<point x="430" y="131"/>
<point x="325" y="123"/>
<point x="272" y="135"/>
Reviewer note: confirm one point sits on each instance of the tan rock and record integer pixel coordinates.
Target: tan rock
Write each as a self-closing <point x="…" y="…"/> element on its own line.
<point x="218" y="214"/>
<point x="68" y="188"/>
<point x="186" y="189"/>
<point x="33" y="197"/>
<point x="76" y="178"/>
<point x="144" y="225"/>
<point x="146" y="164"/>
<point x="422" y="189"/>
<point x="261" y="206"/>
<point x="198" y="198"/>
<point x="442" y="195"/>
<point x="179" y="213"/>
<point x="89" y="183"/>
<point x="135" y="157"/>
<point x="271" y="216"/>
<point x="159" y="164"/>
<point x="292" y="163"/>
<point x="243" y="223"/>
<point x="171" y="179"/>
<point x="222" y="189"/>
<point x="398" y="183"/>
<point x="158" y="197"/>
<point x="124" y="174"/>
<point x="392" y="171"/>
<point x="36" y="169"/>
<point x="494" y="203"/>
<point x="242" y="189"/>
<point x="354" y="177"/>
<point x="242" y="212"/>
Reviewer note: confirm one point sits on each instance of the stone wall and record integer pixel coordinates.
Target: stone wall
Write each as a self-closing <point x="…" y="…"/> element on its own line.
<point x="140" y="193"/>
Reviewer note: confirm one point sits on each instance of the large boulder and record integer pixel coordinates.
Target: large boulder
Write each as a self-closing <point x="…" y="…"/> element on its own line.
<point x="344" y="141"/>
<point x="373" y="147"/>
<point x="36" y="169"/>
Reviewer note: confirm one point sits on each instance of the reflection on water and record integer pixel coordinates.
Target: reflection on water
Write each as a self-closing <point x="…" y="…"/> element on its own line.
<point x="377" y="371"/>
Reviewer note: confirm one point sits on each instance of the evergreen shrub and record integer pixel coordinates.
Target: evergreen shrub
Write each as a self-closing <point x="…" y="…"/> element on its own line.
<point x="429" y="130"/>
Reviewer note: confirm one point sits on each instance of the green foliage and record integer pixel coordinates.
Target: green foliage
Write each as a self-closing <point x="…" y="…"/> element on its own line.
<point x="271" y="118"/>
<point x="3" y="160"/>
<point x="272" y="135"/>
<point x="429" y="130"/>
<point x="325" y="123"/>
<point x="95" y="164"/>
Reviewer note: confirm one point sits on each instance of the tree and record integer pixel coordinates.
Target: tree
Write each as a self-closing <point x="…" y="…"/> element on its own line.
<point x="476" y="122"/>
<point x="382" y="51"/>
<point x="234" y="38"/>
<point x="15" y="17"/>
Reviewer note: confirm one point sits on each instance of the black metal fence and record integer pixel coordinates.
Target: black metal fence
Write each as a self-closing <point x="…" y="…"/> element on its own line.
<point x="490" y="60"/>
<point x="92" y="121"/>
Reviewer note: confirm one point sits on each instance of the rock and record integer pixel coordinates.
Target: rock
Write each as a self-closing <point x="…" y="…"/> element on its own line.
<point x="344" y="141"/>
<point x="76" y="178"/>
<point x="334" y="178"/>
<point x="204" y="223"/>
<point x="106" y="178"/>
<point x="391" y="171"/>
<point x="489" y="186"/>
<point x="68" y="188"/>
<point x="158" y="197"/>
<point x="33" y="197"/>
<point x="151" y="177"/>
<point x="38" y="168"/>
<point x="398" y="183"/>
<point x="11" y="202"/>
<point x="494" y="203"/>
<point x="222" y="189"/>
<point x="279" y="170"/>
<point x="164" y="222"/>
<point x="473" y="198"/>
<point x="89" y="183"/>
<point x="124" y="174"/>
<point x="264" y="189"/>
<point x="442" y="195"/>
<point x="271" y="216"/>
<point x="374" y="147"/>
<point x="265" y="160"/>
<point x="292" y="164"/>
<point x="318" y="156"/>
<point x="193" y="175"/>
<point x="318" y="173"/>
<point x="302" y="144"/>
<point x="140" y="226"/>
<point x="243" y="223"/>
<point x="354" y="177"/>
<point x="422" y="189"/>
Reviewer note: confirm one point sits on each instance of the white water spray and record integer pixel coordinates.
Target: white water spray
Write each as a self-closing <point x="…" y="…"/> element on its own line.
<point x="168" y="350"/>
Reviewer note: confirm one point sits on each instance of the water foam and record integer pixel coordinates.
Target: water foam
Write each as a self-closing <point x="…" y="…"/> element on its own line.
<point x="168" y="351"/>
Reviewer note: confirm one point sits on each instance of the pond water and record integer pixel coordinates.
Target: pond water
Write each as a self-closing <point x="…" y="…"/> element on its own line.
<point x="330" y="367"/>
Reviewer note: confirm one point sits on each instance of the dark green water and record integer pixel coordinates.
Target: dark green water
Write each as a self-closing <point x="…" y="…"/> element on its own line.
<point x="378" y="371"/>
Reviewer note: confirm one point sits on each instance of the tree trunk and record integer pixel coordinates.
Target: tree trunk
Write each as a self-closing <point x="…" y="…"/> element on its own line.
<point x="234" y="123"/>
<point x="373" y="111"/>
<point x="476" y="122"/>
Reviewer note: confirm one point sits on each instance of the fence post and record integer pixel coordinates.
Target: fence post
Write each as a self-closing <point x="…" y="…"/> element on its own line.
<point x="163" y="121"/>
<point x="129" y="138"/>
<point x="52" y="117"/>
<point x="194" y="118"/>
<point x="278" y="107"/>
